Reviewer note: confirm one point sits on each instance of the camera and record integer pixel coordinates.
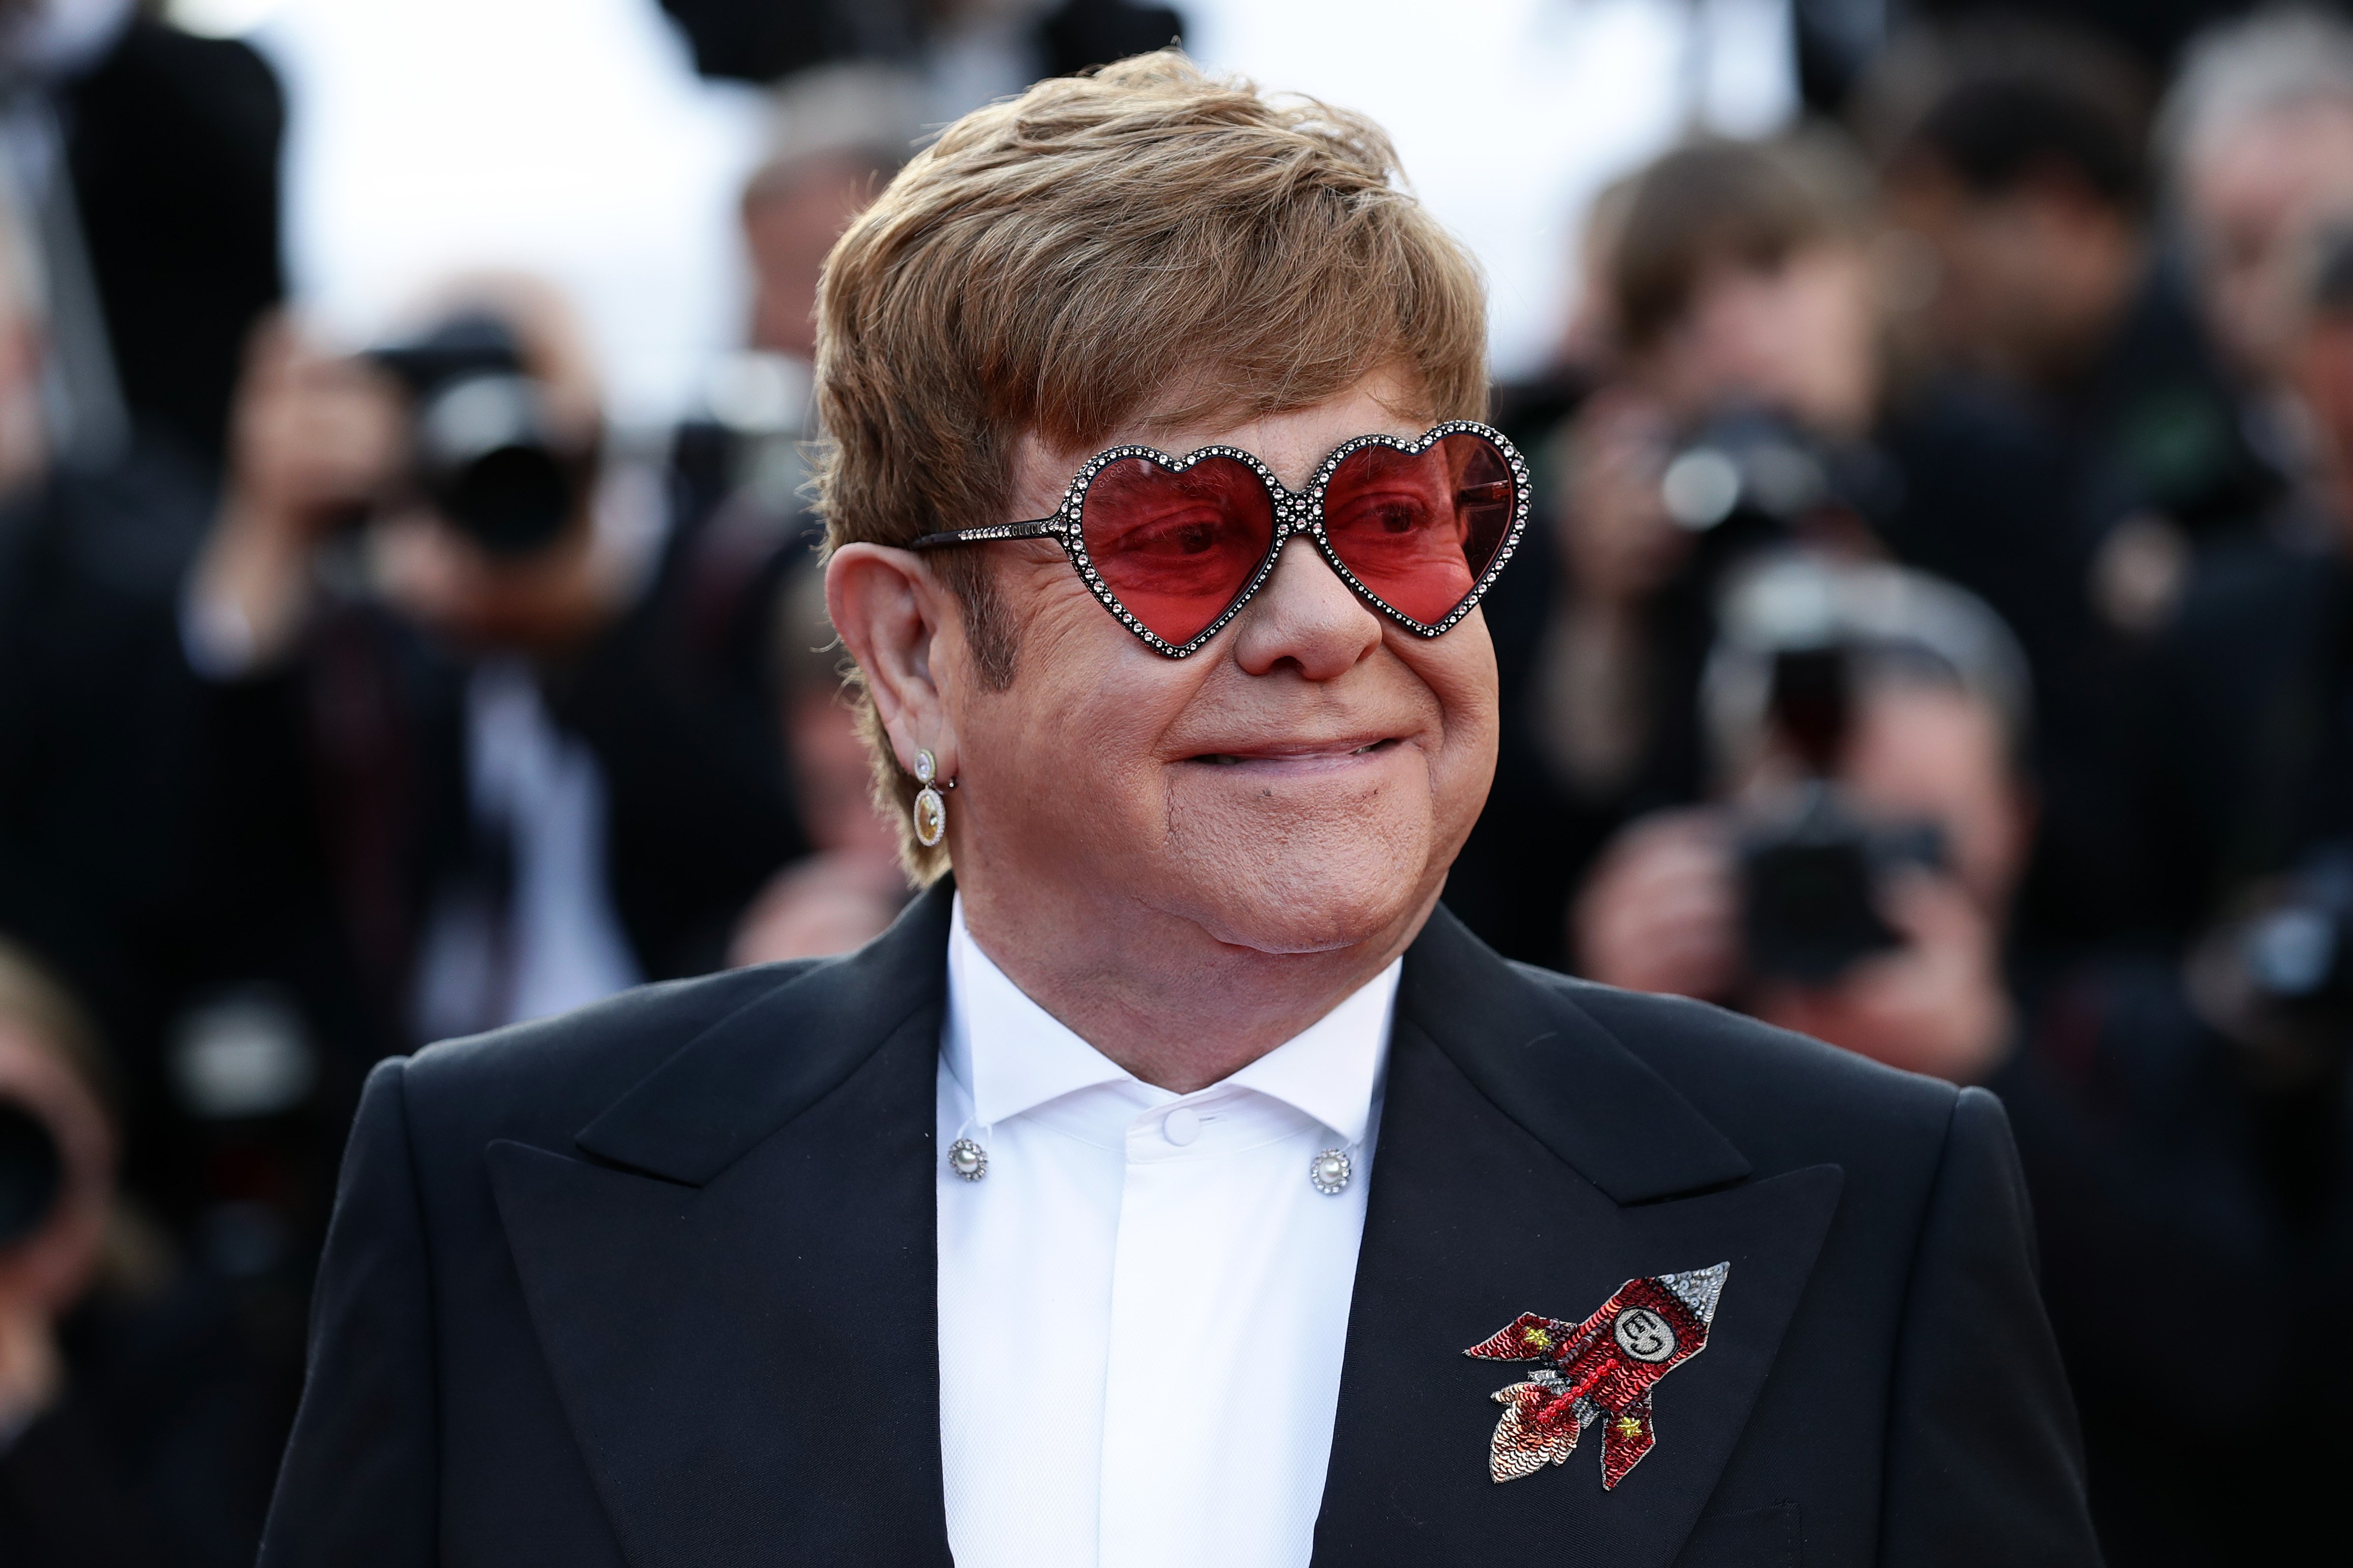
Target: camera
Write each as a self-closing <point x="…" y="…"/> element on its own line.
<point x="1810" y="887"/>
<point x="486" y="453"/>
<point x="1810" y="874"/>
<point x="1752" y="476"/>
<point x="32" y="1171"/>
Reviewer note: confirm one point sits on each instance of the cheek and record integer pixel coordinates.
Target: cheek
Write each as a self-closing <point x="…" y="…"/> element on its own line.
<point x="1458" y="670"/>
<point x="1067" y="752"/>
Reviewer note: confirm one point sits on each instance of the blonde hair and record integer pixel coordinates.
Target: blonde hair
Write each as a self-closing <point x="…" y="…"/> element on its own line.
<point x="1058" y="263"/>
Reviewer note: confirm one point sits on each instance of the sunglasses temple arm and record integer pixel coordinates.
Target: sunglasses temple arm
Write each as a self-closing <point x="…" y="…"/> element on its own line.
<point x="1042" y="528"/>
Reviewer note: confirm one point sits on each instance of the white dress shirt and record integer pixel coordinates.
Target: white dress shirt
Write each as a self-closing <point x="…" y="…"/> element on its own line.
<point x="1144" y="1302"/>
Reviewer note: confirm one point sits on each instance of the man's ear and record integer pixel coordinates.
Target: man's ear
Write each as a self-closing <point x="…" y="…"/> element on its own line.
<point x="892" y="612"/>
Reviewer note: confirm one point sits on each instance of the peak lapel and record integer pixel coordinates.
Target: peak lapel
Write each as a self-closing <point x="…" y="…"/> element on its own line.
<point x="755" y="1071"/>
<point x="1529" y="1162"/>
<point x="742" y="1321"/>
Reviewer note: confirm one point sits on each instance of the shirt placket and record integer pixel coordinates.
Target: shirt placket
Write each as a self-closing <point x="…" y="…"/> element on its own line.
<point x="1161" y="1379"/>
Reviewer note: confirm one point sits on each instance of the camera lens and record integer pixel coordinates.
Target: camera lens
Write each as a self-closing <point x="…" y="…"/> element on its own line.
<point x="30" y="1174"/>
<point x="492" y="464"/>
<point x="489" y="457"/>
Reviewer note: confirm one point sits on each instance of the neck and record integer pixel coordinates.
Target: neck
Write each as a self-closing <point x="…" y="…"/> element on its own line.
<point x="1160" y="994"/>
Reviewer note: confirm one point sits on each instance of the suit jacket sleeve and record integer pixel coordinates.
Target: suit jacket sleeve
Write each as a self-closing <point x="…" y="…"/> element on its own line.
<point x="358" y="1485"/>
<point x="1985" y="1461"/>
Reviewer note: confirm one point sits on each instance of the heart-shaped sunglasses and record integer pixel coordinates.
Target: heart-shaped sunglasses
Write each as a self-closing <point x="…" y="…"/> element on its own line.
<point x="1175" y="546"/>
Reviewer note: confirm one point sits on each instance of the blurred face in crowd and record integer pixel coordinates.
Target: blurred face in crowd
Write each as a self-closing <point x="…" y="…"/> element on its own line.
<point x="2027" y="281"/>
<point x="2322" y="367"/>
<point x="2252" y="192"/>
<point x="792" y="215"/>
<point x="23" y="426"/>
<point x="1298" y="785"/>
<point x="1800" y="337"/>
<point x="1930" y="754"/>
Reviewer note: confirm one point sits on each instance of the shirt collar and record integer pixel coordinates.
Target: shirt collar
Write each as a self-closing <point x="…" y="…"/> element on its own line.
<point x="1012" y="1056"/>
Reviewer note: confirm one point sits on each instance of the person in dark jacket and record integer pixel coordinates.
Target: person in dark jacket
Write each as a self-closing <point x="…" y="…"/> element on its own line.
<point x="144" y="163"/>
<point x="143" y="1407"/>
<point x="504" y="741"/>
<point x="1177" y="1182"/>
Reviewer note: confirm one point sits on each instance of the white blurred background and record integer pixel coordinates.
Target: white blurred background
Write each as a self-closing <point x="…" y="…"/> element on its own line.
<point x="573" y="137"/>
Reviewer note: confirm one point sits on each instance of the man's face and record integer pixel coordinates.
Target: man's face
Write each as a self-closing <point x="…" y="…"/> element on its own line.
<point x="2323" y="367"/>
<point x="791" y="218"/>
<point x="1299" y="784"/>
<point x="24" y="421"/>
<point x="1800" y="338"/>
<point x="2253" y="192"/>
<point x="2028" y="281"/>
<point x="1927" y="755"/>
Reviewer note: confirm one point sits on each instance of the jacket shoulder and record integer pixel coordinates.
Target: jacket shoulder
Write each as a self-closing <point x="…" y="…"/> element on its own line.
<point x="1784" y="1099"/>
<point x="541" y="1081"/>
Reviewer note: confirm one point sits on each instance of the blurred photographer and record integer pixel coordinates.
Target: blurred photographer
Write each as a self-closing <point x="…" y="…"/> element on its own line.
<point x="2065" y="429"/>
<point x="839" y="134"/>
<point x="852" y="883"/>
<point x="2185" y="1146"/>
<point x="836" y="135"/>
<point x="2258" y="137"/>
<point x="1745" y="343"/>
<point x="1742" y="376"/>
<point x="144" y="162"/>
<point x="469" y="452"/>
<point x="138" y="1428"/>
<point x="475" y="714"/>
<point x="1853" y="882"/>
<point x="2239" y="736"/>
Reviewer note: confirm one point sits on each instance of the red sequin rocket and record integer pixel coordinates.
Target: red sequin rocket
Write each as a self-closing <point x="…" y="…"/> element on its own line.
<point x="1600" y="1370"/>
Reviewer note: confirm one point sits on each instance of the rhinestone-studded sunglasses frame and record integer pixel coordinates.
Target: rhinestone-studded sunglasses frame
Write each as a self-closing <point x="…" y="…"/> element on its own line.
<point x="1295" y="511"/>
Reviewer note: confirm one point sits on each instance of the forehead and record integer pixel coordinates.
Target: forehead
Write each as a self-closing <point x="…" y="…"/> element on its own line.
<point x="1922" y="743"/>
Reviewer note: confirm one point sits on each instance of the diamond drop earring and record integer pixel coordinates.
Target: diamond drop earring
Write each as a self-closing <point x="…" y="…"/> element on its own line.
<point x="930" y="811"/>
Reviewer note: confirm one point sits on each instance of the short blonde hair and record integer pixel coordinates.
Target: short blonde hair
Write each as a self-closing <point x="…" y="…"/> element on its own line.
<point x="1058" y="263"/>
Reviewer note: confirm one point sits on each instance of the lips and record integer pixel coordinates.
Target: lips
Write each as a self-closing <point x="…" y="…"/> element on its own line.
<point x="1300" y="757"/>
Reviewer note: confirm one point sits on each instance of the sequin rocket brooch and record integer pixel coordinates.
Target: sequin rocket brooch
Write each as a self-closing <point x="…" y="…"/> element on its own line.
<point x="1600" y="1370"/>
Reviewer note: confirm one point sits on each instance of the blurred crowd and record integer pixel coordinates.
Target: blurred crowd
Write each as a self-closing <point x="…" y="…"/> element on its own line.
<point x="1938" y="644"/>
<point x="1936" y="637"/>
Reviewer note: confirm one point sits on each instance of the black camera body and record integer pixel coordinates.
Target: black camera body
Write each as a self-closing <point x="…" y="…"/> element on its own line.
<point x="1747" y="477"/>
<point x="1810" y="875"/>
<point x="486" y="454"/>
<point x="1809" y="885"/>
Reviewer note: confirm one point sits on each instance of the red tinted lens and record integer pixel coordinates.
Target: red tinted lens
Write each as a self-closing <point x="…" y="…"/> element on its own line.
<point x="1421" y="531"/>
<point x="1178" y="548"/>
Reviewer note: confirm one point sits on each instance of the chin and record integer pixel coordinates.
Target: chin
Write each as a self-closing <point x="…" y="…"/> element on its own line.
<point x="1286" y="897"/>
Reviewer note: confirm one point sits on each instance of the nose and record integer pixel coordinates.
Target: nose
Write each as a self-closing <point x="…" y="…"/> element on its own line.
<point x="1305" y="617"/>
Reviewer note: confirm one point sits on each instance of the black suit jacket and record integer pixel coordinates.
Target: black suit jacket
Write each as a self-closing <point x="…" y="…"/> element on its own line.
<point x="654" y="1284"/>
